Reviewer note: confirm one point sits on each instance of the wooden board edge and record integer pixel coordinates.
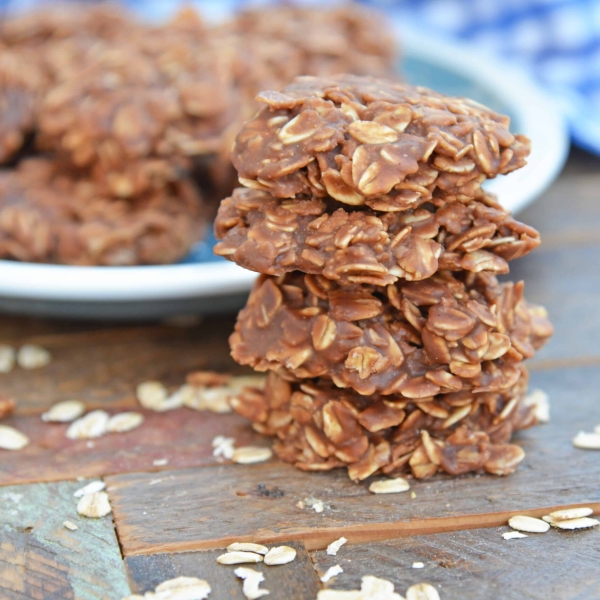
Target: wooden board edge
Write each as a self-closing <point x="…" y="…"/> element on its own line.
<point x="318" y="539"/>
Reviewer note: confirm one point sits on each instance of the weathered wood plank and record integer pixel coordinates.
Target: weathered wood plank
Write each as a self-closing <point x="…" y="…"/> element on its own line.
<point x="476" y="564"/>
<point x="568" y="213"/>
<point x="104" y="367"/>
<point x="297" y="579"/>
<point x="553" y="474"/>
<point x="183" y="437"/>
<point x="42" y="560"/>
<point x="567" y="282"/>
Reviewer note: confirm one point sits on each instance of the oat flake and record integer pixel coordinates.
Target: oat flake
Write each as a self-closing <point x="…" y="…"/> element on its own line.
<point x="7" y="358"/>
<point x="280" y="555"/>
<point x="389" y="486"/>
<point x="123" y="422"/>
<point x="587" y="441"/>
<point x="513" y="535"/>
<point x="571" y="513"/>
<point x="31" y="356"/>
<point x="90" y="488"/>
<point x="334" y="547"/>
<point x="252" y="580"/>
<point x="331" y="573"/>
<point x="94" y="505"/>
<point x="91" y="426"/>
<point x="12" y="439"/>
<point x="528" y="524"/>
<point x="247" y="547"/>
<point x="64" y="412"/>
<point x="422" y="591"/>
<point x="237" y="558"/>
<point x="247" y="455"/>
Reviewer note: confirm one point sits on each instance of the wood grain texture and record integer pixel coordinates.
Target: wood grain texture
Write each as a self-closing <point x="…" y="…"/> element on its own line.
<point x="103" y="367"/>
<point x="42" y="560"/>
<point x="182" y="436"/>
<point x="477" y="564"/>
<point x="568" y="285"/>
<point x="296" y="580"/>
<point x="568" y="213"/>
<point x="554" y="473"/>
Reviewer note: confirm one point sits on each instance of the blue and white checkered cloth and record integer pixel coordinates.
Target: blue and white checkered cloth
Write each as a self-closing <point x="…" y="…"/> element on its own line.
<point x="556" y="41"/>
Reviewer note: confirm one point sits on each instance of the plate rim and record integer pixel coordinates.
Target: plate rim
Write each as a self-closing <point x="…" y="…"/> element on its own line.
<point x="166" y="282"/>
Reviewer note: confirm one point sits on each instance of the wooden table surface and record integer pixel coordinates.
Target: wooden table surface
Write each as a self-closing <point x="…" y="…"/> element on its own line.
<point x="172" y="519"/>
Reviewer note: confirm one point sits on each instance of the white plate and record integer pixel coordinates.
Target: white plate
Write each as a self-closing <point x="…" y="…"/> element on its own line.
<point x="208" y="285"/>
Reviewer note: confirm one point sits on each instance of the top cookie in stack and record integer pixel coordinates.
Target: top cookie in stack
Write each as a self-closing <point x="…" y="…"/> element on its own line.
<point x="363" y="207"/>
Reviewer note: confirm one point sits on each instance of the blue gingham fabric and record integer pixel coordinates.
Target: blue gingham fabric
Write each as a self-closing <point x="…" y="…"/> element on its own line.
<point x="556" y="41"/>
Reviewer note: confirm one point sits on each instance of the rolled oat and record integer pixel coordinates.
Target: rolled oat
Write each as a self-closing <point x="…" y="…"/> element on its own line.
<point x="335" y="546"/>
<point x="64" y="412"/>
<point x="94" y="505"/>
<point x="32" y="356"/>
<point x="247" y="455"/>
<point x="252" y="580"/>
<point x="389" y="486"/>
<point x="587" y="441"/>
<point x="238" y="557"/>
<point x="12" y="439"/>
<point x="331" y="573"/>
<point x="528" y="524"/>
<point x="93" y="425"/>
<point x="280" y="555"/>
<point x="126" y="421"/>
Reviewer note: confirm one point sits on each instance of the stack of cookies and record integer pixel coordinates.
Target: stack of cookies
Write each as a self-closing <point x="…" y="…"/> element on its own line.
<point x="390" y="344"/>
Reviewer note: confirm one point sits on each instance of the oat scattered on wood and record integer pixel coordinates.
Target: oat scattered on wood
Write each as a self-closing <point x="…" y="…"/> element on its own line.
<point x="317" y="505"/>
<point x="223" y="446"/>
<point x="12" y="439"/>
<point x="581" y="523"/>
<point x="251" y="454"/>
<point x="571" y="513"/>
<point x="247" y="547"/>
<point x="70" y="525"/>
<point x="539" y="400"/>
<point x="331" y="573"/>
<point x="160" y="462"/>
<point x="8" y="356"/>
<point x="252" y="580"/>
<point x="180" y="588"/>
<point x="372" y="588"/>
<point x="334" y="547"/>
<point x="238" y="558"/>
<point x="389" y="486"/>
<point x="528" y="524"/>
<point x="90" y="488"/>
<point x="31" y="356"/>
<point x="422" y="591"/>
<point x="91" y="426"/>
<point x="64" y="412"/>
<point x="587" y="441"/>
<point x="214" y="399"/>
<point x="513" y="535"/>
<point x="152" y="395"/>
<point x="94" y="505"/>
<point x="123" y="422"/>
<point x="280" y="555"/>
<point x="418" y="565"/>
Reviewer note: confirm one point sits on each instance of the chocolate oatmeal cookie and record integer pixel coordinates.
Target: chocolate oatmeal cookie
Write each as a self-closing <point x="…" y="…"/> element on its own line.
<point x="323" y="237"/>
<point x="363" y="140"/>
<point x="444" y="334"/>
